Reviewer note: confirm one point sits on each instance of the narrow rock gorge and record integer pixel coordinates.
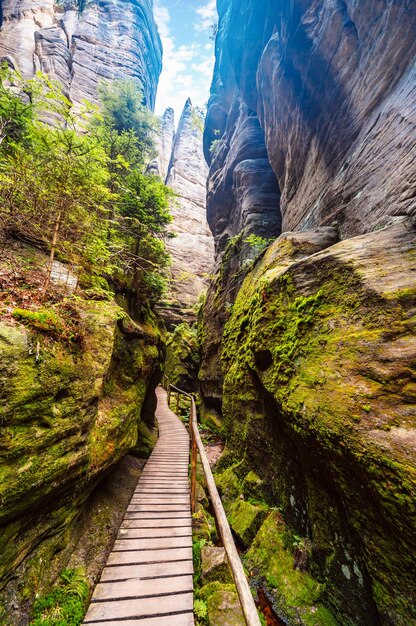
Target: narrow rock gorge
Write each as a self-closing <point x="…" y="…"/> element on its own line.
<point x="308" y="344"/>
<point x="290" y="305"/>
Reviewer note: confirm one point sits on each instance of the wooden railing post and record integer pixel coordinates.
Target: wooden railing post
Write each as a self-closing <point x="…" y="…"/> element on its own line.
<point x="194" y="454"/>
<point x="177" y="403"/>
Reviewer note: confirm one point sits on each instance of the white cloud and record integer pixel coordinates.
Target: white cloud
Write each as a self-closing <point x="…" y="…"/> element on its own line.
<point x="207" y="15"/>
<point x="205" y="67"/>
<point x="187" y="69"/>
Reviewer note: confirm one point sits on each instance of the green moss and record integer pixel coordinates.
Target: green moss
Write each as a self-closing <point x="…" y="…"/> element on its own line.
<point x="224" y="609"/>
<point x="66" y="604"/>
<point x="212" y="420"/>
<point x="182" y="357"/>
<point x="315" y="372"/>
<point x="146" y="441"/>
<point x="207" y="590"/>
<point x="253" y="486"/>
<point x="229" y="485"/>
<point x="245" y="519"/>
<point x="67" y="417"/>
<point x="296" y="592"/>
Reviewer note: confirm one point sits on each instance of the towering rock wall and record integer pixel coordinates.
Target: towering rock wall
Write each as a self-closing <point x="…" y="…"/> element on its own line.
<point x="192" y="249"/>
<point x="180" y="162"/>
<point x="308" y="350"/>
<point x="332" y="84"/>
<point x="110" y="39"/>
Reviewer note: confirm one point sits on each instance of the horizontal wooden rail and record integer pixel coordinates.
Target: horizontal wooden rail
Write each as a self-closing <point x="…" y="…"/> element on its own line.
<point x="243" y="588"/>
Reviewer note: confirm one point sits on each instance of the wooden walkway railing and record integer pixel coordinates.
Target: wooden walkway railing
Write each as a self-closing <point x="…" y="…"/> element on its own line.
<point x="243" y="588"/>
<point x="147" y="580"/>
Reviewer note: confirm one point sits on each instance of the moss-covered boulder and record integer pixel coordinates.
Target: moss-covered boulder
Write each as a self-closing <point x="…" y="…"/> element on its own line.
<point x="214" y="565"/>
<point x="272" y="556"/>
<point x="245" y="519"/>
<point x="69" y="412"/>
<point x="182" y="357"/>
<point x="223" y="605"/>
<point x="318" y="365"/>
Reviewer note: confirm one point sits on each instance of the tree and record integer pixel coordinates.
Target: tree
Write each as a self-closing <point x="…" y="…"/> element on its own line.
<point x="77" y="185"/>
<point x="53" y="180"/>
<point x="16" y="113"/>
<point x="123" y="111"/>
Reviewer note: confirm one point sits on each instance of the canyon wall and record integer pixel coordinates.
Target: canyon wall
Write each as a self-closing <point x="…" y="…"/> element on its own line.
<point x="308" y="345"/>
<point x="181" y="164"/>
<point x="110" y="39"/>
<point x="192" y="249"/>
<point x="70" y="411"/>
<point x="331" y="84"/>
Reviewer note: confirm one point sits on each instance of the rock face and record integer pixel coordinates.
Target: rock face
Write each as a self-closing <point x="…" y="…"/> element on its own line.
<point x="192" y="249"/>
<point x="68" y="415"/>
<point x="318" y="396"/>
<point x="306" y="71"/>
<point x="182" y="358"/>
<point x="110" y="39"/>
<point x="308" y="346"/>
<point x="167" y="137"/>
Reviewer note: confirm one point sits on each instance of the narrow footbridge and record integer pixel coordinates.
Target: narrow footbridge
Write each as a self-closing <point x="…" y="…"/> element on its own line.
<point x="148" y="577"/>
<point x="148" y="580"/>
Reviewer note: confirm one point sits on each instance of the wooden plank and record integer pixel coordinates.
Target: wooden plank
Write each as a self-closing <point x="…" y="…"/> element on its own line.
<point x="142" y="607"/>
<point x="149" y="556"/>
<point x="133" y="543"/>
<point x="148" y="577"/>
<point x="164" y="508"/>
<point x="138" y="588"/>
<point x="146" y="522"/>
<point x="168" y="487"/>
<point x="139" y="533"/>
<point x="158" y="499"/>
<point x="148" y="570"/>
<point x="183" y="619"/>
<point x="157" y="515"/>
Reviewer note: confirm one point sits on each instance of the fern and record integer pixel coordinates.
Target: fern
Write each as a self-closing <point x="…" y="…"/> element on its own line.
<point x="200" y="609"/>
<point x="75" y="583"/>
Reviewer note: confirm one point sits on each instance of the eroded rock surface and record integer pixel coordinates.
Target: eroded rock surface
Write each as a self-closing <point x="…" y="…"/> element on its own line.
<point x="192" y="248"/>
<point x="68" y="415"/>
<point x="110" y="39"/>
<point x="333" y="87"/>
<point x="308" y="349"/>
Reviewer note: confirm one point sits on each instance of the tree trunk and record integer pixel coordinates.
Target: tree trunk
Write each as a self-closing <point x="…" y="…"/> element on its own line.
<point x="52" y="254"/>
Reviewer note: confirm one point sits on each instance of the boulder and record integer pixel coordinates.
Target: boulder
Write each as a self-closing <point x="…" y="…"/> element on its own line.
<point x="215" y="565"/>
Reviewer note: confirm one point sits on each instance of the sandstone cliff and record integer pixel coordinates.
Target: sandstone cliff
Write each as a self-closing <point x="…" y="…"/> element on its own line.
<point x="332" y="85"/>
<point x="110" y="39"/>
<point x="192" y="249"/>
<point x="308" y="346"/>
<point x="72" y="405"/>
<point x="71" y="409"/>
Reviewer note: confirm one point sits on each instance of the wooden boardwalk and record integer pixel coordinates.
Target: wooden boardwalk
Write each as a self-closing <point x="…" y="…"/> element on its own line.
<point x="147" y="580"/>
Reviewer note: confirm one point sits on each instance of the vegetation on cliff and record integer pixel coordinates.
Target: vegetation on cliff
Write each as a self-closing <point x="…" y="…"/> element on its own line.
<point x="78" y="189"/>
<point x="317" y="383"/>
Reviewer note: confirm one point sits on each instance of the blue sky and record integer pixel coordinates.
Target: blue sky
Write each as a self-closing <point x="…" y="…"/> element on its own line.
<point x="188" y="52"/>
